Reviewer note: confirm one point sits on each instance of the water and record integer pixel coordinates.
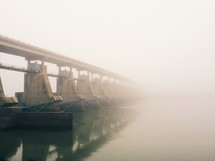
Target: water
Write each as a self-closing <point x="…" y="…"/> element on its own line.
<point x="167" y="129"/>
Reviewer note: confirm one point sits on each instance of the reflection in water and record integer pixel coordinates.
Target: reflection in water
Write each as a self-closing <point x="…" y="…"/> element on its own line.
<point x="92" y="129"/>
<point x="9" y="144"/>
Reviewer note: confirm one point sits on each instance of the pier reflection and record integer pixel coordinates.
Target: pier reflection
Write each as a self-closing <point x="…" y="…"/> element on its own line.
<point x="9" y="144"/>
<point x="92" y="129"/>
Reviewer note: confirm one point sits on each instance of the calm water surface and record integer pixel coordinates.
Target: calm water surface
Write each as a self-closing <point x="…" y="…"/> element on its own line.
<point x="167" y="129"/>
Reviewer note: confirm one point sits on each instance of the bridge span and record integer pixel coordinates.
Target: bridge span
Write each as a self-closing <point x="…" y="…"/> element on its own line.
<point x="30" y="52"/>
<point x="72" y="93"/>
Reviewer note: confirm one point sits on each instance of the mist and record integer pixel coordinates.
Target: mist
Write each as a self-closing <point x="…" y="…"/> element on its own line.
<point x="164" y="46"/>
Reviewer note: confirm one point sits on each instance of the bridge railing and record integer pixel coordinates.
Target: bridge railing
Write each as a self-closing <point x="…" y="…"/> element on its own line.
<point x="12" y="66"/>
<point x="26" y="70"/>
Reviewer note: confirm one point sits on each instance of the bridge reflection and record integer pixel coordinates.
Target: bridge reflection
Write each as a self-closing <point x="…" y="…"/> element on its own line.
<point x="91" y="130"/>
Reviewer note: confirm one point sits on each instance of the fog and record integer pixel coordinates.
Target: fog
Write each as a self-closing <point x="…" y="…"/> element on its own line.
<point x="166" y="46"/>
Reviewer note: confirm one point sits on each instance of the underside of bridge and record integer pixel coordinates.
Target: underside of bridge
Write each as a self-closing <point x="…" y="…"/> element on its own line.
<point x="83" y="92"/>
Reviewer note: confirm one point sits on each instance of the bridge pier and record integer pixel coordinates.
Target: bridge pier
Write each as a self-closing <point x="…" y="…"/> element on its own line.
<point x="111" y="91"/>
<point x="2" y="96"/>
<point x="6" y="100"/>
<point x="37" y="88"/>
<point x="85" y="87"/>
<point x="97" y="86"/>
<point x="7" y="115"/>
<point x="66" y="86"/>
<point x="108" y="89"/>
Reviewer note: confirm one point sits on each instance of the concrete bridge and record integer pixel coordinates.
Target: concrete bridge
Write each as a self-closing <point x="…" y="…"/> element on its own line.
<point x="89" y="86"/>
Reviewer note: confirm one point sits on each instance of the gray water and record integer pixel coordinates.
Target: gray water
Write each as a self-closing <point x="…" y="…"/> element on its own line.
<point x="164" y="129"/>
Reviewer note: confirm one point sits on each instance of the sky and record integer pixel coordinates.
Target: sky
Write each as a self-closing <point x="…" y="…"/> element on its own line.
<point x="166" y="46"/>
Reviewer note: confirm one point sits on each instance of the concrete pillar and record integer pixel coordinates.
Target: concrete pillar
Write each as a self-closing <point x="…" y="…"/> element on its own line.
<point x="98" y="87"/>
<point x="37" y="88"/>
<point x="88" y="74"/>
<point x="2" y="96"/>
<point x="85" y="87"/>
<point x="108" y="88"/>
<point x="79" y="73"/>
<point x="6" y="100"/>
<point x="121" y="89"/>
<point x="112" y="89"/>
<point x="66" y="86"/>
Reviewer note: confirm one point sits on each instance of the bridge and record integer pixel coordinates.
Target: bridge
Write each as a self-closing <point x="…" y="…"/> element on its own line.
<point x="87" y="89"/>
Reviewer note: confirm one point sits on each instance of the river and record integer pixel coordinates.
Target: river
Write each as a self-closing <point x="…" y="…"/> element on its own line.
<point x="162" y="129"/>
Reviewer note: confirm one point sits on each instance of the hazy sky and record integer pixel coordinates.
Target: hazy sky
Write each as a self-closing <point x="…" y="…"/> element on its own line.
<point x="166" y="45"/>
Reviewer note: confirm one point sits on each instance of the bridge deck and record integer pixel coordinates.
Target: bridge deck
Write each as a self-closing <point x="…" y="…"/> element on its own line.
<point x="30" y="52"/>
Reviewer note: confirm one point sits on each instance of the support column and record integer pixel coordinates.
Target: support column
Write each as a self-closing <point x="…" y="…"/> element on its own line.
<point x="66" y="86"/>
<point x="98" y="87"/>
<point x="6" y="100"/>
<point x="37" y="86"/>
<point x="2" y="96"/>
<point x="107" y="87"/>
<point x="84" y="86"/>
